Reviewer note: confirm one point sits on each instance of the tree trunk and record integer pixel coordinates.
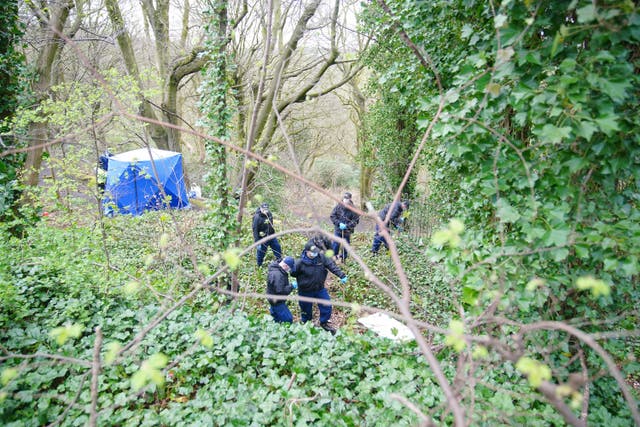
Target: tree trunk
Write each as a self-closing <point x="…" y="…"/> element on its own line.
<point x="54" y="24"/>
<point x="189" y="64"/>
<point x="157" y="133"/>
<point x="220" y="159"/>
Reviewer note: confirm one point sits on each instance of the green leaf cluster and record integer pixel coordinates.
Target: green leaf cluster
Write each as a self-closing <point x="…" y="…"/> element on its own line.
<point x="532" y="111"/>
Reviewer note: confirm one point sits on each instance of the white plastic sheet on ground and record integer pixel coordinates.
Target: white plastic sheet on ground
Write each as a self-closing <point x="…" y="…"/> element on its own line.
<point x="386" y="327"/>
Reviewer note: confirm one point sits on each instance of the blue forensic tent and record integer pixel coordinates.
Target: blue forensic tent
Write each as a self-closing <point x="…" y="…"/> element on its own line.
<point x="144" y="179"/>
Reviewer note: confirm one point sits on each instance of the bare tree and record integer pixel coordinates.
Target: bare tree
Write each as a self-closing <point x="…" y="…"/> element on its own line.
<point x="304" y="48"/>
<point x="172" y="67"/>
<point x="52" y="20"/>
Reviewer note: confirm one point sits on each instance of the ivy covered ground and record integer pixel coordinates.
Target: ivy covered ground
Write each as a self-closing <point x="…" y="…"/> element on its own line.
<point x="209" y="360"/>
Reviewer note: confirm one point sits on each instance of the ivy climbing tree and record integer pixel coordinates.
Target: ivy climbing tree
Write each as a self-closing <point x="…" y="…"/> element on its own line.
<point x="529" y="114"/>
<point x="12" y="90"/>
<point x="217" y="114"/>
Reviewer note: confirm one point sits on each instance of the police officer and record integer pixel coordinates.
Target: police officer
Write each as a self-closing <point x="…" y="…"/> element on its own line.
<point x="344" y="223"/>
<point x="278" y="284"/>
<point x="311" y="271"/>
<point x="396" y="219"/>
<point x="263" y="226"/>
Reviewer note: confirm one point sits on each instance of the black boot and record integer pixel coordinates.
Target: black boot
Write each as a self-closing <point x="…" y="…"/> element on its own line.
<point x="328" y="328"/>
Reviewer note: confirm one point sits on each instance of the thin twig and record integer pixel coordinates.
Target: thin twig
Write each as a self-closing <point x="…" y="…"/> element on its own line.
<point x="95" y="375"/>
<point x="425" y="420"/>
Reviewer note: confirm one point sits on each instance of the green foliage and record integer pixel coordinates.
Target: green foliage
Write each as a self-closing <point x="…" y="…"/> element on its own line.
<point x="12" y="61"/>
<point x="258" y="364"/>
<point x="214" y="95"/>
<point x="78" y="105"/>
<point x="535" y="150"/>
<point x="13" y="92"/>
<point x="10" y="190"/>
<point x="391" y="140"/>
<point x="392" y="124"/>
<point x="535" y="371"/>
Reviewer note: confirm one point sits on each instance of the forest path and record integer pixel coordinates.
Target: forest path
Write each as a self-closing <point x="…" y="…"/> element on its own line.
<point x="307" y="208"/>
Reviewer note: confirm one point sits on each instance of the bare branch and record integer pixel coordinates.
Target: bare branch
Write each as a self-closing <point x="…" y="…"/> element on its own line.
<point x="95" y="376"/>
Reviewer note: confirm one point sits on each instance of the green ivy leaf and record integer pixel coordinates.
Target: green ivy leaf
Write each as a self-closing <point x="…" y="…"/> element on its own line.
<point x="617" y="91"/>
<point x="500" y="20"/>
<point x="506" y="212"/>
<point x="586" y="14"/>
<point x="467" y="31"/>
<point x="7" y="375"/>
<point x="586" y="129"/>
<point x="608" y="124"/>
<point x="553" y="134"/>
<point x="557" y="237"/>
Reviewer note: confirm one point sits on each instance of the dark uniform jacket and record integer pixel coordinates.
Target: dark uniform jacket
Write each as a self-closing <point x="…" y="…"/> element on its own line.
<point x="262" y="225"/>
<point x="312" y="272"/>
<point x="277" y="282"/>
<point x="396" y="214"/>
<point x="343" y="214"/>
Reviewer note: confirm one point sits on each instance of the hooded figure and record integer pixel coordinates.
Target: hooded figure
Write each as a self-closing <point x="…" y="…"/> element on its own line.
<point x="396" y="219"/>
<point x="278" y="284"/>
<point x="311" y="272"/>
<point x="262" y="227"/>
<point x="344" y="223"/>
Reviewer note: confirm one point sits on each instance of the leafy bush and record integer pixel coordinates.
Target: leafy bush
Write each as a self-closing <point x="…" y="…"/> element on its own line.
<point x="531" y="115"/>
<point x="233" y="367"/>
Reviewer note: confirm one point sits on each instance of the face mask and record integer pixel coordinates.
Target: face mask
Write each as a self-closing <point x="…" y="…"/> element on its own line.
<point x="312" y="255"/>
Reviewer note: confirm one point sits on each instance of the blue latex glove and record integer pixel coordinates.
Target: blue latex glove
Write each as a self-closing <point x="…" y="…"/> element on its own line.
<point x="343" y="226"/>
<point x="294" y="283"/>
<point x="343" y="280"/>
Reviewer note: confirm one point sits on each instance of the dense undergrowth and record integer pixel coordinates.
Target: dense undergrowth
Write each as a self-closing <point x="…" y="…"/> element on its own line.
<point x="253" y="371"/>
<point x="210" y="362"/>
